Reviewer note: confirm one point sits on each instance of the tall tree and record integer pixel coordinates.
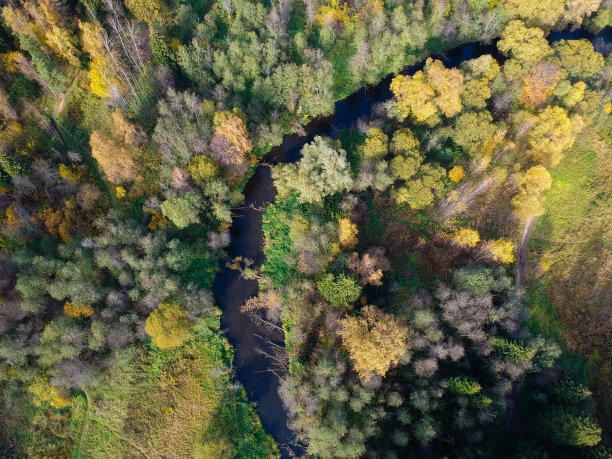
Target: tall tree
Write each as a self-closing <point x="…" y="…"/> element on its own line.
<point x="375" y="341"/>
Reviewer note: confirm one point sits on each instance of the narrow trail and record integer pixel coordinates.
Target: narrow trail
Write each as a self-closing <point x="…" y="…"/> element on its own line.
<point x="58" y="107"/>
<point x="84" y="425"/>
<point x="523" y="253"/>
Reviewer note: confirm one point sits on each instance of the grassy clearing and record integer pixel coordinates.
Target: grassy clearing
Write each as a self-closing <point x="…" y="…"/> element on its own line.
<point x="570" y="259"/>
<point x="182" y="402"/>
<point x="179" y="401"/>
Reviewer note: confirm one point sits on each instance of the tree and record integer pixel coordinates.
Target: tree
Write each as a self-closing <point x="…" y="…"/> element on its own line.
<point x="575" y="10"/>
<point x="539" y="84"/>
<point x="231" y="141"/>
<point x="132" y="133"/>
<point x="476" y="93"/>
<point x="153" y="12"/>
<point x="375" y="341"/>
<point x="182" y="129"/>
<point x="45" y="70"/>
<point x="347" y="233"/>
<point x="532" y="185"/>
<point x="471" y="130"/>
<point x="474" y="279"/>
<point x="78" y="310"/>
<point x="168" y="326"/>
<point x="404" y="142"/>
<point x="463" y="385"/>
<point x="535" y="12"/>
<point x="321" y="171"/>
<point x="466" y="237"/>
<point x="375" y="145"/>
<point x="456" y="174"/>
<point x="524" y="46"/>
<point x="448" y="86"/>
<point x="569" y="428"/>
<point x="339" y="290"/>
<point x="500" y="250"/>
<point x="183" y="210"/>
<point x="551" y="134"/>
<point x="579" y="58"/>
<point x="414" y="97"/>
<point x="114" y="158"/>
<point x="371" y="266"/>
<point x="515" y="351"/>
<point x="405" y="166"/>
<point x="203" y="168"/>
<point x="419" y="192"/>
<point x="45" y="393"/>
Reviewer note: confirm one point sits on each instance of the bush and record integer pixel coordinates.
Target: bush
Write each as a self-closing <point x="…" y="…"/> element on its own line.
<point x="168" y="326"/>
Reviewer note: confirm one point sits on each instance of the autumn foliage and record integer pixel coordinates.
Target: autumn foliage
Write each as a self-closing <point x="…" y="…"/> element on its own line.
<point x="114" y="158"/>
<point x="375" y="341"/>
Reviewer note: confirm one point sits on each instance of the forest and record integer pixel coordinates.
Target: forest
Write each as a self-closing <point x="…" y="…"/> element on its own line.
<point x="436" y="276"/>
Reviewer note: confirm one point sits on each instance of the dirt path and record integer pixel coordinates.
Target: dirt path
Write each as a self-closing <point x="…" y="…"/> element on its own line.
<point x="523" y="253"/>
<point x="59" y="100"/>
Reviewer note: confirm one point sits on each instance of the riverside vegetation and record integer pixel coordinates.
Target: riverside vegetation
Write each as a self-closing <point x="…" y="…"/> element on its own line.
<point x="127" y="133"/>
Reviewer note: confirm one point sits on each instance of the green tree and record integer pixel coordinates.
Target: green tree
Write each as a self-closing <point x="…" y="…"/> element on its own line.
<point x="463" y="385"/>
<point x="535" y="12"/>
<point x="168" y="326"/>
<point x="46" y="68"/>
<point x="515" y="351"/>
<point x="472" y="129"/>
<point x="405" y="166"/>
<point x="566" y="427"/>
<point x="579" y="58"/>
<point x="183" y="210"/>
<point x="375" y="145"/>
<point x="321" y="171"/>
<point x="474" y="279"/>
<point x="340" y="289"/>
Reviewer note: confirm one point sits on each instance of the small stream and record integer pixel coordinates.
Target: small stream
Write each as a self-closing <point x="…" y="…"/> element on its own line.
<point x="231" y="291"/>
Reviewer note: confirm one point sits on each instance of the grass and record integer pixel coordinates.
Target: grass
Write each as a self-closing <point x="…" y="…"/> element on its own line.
<point x="175" y="401"/>
<point x="570" y="260"/>
<point x="151" y="402"/>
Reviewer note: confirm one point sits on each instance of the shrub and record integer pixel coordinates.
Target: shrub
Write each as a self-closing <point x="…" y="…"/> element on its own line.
<point x="168" y="326"/>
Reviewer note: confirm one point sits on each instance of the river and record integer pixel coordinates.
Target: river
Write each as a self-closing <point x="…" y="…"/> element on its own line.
<point x="231" y="291"/>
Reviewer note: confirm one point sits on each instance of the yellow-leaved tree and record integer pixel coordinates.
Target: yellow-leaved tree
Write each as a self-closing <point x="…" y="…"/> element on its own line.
<point x="375" y="341"/>
<point x="532" y="185"/>
<point x="456" y="174"/>
<point x="78" y="310"/>
<point x="499" y="250"/>
<point x="114" y="158"/>
<point x="539" y="84"/>
<point x="168" y="326"/>
<point x="347" y="233"/>
<point x="466" y="237"/>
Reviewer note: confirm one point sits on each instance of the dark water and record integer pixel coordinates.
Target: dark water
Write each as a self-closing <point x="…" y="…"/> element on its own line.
<point x="231" y="291"/>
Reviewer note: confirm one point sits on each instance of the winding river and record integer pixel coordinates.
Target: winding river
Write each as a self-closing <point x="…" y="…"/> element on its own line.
<point x="231" y="290"/>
